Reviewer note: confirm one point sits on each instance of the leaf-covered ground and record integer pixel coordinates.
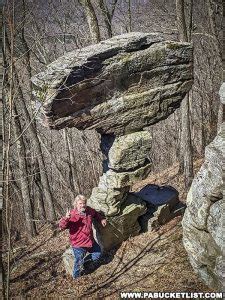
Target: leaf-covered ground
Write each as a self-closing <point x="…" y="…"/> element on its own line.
<point x="152" y="261"/>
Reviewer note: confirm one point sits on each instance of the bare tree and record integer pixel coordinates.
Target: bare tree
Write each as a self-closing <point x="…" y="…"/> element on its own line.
<point x="91" y="20"/>
<point x="186" y="141"/>
<point x="107" y="14"/>
<point x="27" y="204"/>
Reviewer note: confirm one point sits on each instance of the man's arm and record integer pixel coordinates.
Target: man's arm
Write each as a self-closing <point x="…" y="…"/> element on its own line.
<point x="64" y="221"/>
<point x="101" y="219"/>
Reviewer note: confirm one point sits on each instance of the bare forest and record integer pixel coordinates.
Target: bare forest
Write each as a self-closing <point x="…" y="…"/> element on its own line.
<point x="43" y="170"/>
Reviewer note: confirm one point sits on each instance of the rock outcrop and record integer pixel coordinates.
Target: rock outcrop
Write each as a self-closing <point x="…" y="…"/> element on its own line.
<point x="202" y="222"/>
<point x="118" y="87"/>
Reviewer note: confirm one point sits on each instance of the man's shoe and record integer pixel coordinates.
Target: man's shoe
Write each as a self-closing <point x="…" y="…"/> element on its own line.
<point x="91" y="267"/>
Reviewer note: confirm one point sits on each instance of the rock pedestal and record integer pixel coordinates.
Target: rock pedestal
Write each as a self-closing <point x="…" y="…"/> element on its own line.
<point x="128" y="162"/>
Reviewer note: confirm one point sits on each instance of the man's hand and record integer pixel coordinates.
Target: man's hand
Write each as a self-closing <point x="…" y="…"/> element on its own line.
<point x="104" y="222"/>
<point x="68" y="214"/>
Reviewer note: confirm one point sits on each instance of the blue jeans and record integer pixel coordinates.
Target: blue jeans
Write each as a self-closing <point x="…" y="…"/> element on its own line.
<point x="79" y="254"/>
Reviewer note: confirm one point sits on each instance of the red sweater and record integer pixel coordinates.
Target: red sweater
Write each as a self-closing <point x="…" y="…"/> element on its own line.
<point x="80" y="227"/>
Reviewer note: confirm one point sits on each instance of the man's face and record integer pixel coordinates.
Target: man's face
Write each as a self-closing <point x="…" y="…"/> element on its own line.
<point x="81" y="205"/>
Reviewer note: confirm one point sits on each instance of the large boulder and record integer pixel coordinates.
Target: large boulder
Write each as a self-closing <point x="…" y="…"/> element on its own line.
<point x="128" y="157"/>
<point x="128" y="163"/>
<point x="136" y="76"/>
<point x="108" y="200"/>
<point x="127" y="178"/>
<point x="202" y="222"/>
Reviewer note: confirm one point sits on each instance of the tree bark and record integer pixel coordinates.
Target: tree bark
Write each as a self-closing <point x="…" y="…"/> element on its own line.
<point x="28" y="209"/>
<point x="91" y="20"/>
<point x="181" y="22"/>
<point x="186" y="159"/>
<point x="129" y="17"/>
<point x="187" y="144"/>
<point x="69" y="149"/>
<point x="106" y="17"/>
<point x="65" y="183"/>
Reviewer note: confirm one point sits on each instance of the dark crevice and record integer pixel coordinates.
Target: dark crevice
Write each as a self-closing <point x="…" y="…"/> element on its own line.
<point x="200" y="229"/>
<point x="106" y="143"/>
<point x="142" y="47"/>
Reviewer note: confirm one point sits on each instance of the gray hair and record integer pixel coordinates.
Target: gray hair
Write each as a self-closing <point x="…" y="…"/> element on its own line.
<point x="79" y="197"/>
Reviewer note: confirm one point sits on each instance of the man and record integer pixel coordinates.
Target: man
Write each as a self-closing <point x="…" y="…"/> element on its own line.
<point x="79" y="222"/>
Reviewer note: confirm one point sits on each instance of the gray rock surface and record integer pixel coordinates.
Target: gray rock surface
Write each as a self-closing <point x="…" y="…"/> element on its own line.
<point x="128" y="178"/>
<point x="162" y="205"/>
<point x="136" y="76"/>
<point x="202" y="222"/>
<point x="130" y="151"/>
<point x="114" y="185"/>
<point x="108" y="200"/>
<point x="68" y="260"/>
<point x="123" y="225"/>
<point x="128" y="157"/>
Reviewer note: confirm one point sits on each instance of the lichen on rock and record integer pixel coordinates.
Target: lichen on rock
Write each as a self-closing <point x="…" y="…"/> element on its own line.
<point x="202" y="222"/>
<point x="130" y="75"/>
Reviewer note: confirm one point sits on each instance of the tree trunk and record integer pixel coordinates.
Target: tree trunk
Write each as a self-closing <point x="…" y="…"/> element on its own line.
<point x="34" y="137"/>
<point x="129" y="29"/>
<point x="69" y="149"/>
<point x="49" y="210"/>
<point x="181" y="22"/>
<point x="49" y="206"/>
<point x="28" y="210"/>
<point x="186" y="142"/>
<point x="106" y="17"/>
<point x="91" y="20"/>
<point x="63" y="180"/>
<point x="186" y="159"/>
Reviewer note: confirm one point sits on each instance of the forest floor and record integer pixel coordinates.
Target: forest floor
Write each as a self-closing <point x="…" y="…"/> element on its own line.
<point x="151" y="261"/>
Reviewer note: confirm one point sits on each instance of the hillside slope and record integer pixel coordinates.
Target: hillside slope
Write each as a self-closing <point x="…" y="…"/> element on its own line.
<point x="152" y="261"/>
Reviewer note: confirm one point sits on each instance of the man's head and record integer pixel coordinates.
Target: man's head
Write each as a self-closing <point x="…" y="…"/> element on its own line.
<point x="80" y="203"/>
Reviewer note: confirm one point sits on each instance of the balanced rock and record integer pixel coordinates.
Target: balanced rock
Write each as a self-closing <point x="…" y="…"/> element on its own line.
<point x="202" y="222"/>
<point x="122" y="179"/>
<point x="119" y="87"/>
<point x="136" y="76"/>
<point x="113" y="188"/>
